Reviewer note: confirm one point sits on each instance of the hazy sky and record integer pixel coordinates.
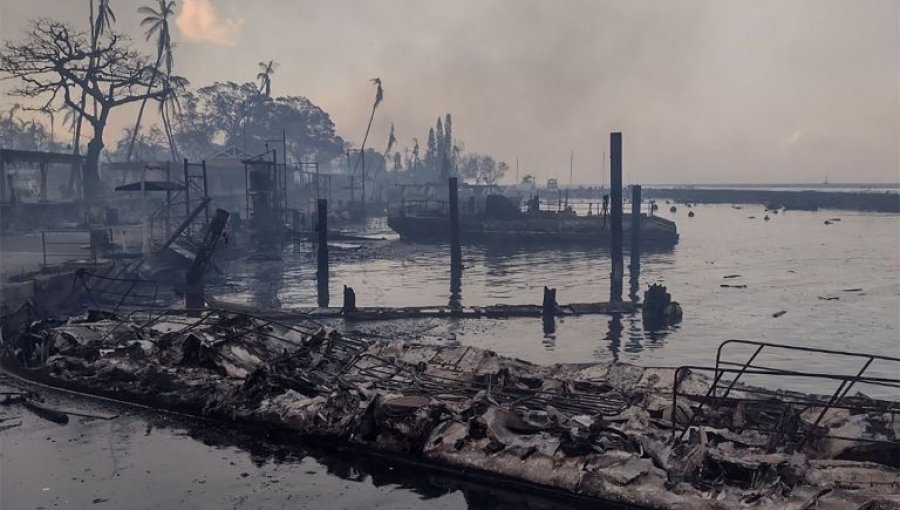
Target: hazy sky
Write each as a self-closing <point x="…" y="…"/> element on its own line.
<point x="703" y="90"/>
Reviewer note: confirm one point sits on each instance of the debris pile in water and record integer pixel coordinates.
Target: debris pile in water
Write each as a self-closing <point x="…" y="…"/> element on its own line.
<point x="594" y="430"/>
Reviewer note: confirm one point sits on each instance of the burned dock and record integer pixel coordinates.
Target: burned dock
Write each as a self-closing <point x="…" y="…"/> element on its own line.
<point x="643" y="437"/>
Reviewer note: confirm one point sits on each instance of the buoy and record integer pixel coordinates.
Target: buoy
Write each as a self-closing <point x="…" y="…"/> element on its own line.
<point x="691" y="214"/>
<point x="672" y="209"/>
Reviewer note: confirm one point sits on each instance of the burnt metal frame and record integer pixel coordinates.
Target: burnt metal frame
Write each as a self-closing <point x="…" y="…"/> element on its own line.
<point x="833" y="402"/>
<point x="83" y="276"/>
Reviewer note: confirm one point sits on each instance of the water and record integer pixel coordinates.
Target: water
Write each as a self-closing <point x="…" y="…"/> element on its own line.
<point x="787" y="264"/>
<point x="794" y="263"/>
<point x="146" y="461"/>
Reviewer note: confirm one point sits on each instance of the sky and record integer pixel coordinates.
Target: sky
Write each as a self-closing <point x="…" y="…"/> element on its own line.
<point x="704" y="91"/>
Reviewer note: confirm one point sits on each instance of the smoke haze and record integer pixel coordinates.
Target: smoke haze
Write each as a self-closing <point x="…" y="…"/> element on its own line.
<point x="707" y="91"/>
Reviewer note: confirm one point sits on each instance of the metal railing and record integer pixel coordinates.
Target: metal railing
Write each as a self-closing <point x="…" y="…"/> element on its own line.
<point x="728" y="403"/>
<point x="113" y="294"/>
<point x="98" y="244"/>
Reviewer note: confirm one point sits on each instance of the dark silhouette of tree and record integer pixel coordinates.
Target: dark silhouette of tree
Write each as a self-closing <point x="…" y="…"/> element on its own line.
<point x="55" y="60"/>
<point x="104" y="19"/>
<point x="430" y="151"/>
<point x="215" y="116"/>
<point x="157" y="23"/>
<point x="267" y="69"/>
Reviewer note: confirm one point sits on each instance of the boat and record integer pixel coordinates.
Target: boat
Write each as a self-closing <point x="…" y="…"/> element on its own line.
<point x="498" y="219"/>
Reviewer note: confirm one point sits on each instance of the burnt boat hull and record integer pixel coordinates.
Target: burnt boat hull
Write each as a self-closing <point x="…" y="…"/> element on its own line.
<point x="654" y="231"/>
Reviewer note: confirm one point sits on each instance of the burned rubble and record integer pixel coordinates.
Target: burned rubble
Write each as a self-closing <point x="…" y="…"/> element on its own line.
<point x="646" y="437"/>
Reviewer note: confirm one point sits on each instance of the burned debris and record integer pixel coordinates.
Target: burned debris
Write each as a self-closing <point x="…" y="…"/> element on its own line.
<point x="648" y="437"/>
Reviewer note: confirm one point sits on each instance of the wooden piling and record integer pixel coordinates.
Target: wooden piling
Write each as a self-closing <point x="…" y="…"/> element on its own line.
<point x="548" y="306"/>
<point x="635" y="225"/>
<point x="615" y="181"/>
<point x="455" y="249"/>
<point x="634" y="268"/>
<point x="322" y="235"/>
<point x="349" y="301"/>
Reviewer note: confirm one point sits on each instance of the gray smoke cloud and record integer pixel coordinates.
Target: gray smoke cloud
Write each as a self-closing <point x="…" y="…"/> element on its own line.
<point x="704" y="90"/>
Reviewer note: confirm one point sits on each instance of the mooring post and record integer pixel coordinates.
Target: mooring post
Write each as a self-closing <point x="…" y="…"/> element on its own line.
<point x="455" y="249"/>
<point x="634" y="268"/>
<point x="322" y="271"/>
<point x="349" y="300"/>
<point x="615" y="182"/>
<point x="548" y="307"/>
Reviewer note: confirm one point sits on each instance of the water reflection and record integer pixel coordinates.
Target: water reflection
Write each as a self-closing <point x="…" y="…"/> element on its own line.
<point x="456" y="270"/>
<point x="614" y="335"/>
<point x="352" y="465"/>
<point x="549" y="328"/>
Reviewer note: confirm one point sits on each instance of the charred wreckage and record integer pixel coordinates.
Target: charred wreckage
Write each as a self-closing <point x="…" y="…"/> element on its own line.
<point x="682" y="437"/>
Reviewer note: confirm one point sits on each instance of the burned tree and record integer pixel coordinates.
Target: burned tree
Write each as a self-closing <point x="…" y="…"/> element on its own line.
<point x="56" y="62"/>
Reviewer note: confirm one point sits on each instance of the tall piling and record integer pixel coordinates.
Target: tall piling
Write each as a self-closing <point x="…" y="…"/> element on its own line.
<point x="615" y="182"/>
<point x="455" y="249"/>
<point x="322" y="258"/>
<point x="634" y="268"/>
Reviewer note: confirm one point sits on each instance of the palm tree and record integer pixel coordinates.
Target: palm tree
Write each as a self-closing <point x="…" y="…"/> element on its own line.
<point x="267" y="69"/>
<point x="176" y="87"/>
<point x="157" y="23"/>
<point x="379" y="96"/>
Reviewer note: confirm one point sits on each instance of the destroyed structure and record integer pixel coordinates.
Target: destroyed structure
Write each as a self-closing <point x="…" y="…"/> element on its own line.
<point x="644" y="437"/>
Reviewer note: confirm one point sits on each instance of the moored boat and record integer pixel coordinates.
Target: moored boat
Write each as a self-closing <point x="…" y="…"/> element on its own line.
<point x="498" y="219"/>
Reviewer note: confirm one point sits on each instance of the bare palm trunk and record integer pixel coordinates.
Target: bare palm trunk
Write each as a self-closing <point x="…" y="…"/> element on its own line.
<point x="75" y="178"/>
<point x="137" y="124"/>
<point x="167" y="125"/>
<point x="362" y="152"/>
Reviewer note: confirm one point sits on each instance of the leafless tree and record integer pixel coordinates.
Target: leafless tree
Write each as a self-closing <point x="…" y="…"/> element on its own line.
<point x="55" y="62"/>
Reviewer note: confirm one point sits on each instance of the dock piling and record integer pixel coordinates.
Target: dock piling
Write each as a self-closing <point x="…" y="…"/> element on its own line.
<point x="615" y="181"/>
<point x="349" y="300"/>
<point x="322" y="259"/>
<point x="455" y="249"/>
<point x="634" y="268"/>
<point x="548" y="307"/>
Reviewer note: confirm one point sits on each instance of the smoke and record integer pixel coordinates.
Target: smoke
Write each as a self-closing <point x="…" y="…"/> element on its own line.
<point x="198" y="21"/>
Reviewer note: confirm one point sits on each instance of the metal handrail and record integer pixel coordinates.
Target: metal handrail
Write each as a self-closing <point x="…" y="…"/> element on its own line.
<point x="834" y="401"/>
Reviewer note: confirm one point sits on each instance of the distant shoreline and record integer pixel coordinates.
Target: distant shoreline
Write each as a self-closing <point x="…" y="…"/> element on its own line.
<point x="869" y="201"/>
<point x="871" y="198"/>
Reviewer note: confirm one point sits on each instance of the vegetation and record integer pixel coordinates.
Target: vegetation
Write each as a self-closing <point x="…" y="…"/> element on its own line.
<point x="57" y="62"/>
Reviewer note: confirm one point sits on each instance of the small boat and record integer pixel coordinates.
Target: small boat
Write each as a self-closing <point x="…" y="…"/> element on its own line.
<point x="497" y="219"/>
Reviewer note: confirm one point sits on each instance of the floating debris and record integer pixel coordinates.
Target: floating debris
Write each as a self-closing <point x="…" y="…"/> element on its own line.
<point x="779" y="313"/>
<point x="727" y="276"/>
<point x="607" y="431"/>
<point x="727" y="286"/>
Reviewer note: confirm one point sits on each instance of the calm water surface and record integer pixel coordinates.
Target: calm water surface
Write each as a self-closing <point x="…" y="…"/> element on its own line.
<point x="788" y="264"/>
<point x="839" y="285"/>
